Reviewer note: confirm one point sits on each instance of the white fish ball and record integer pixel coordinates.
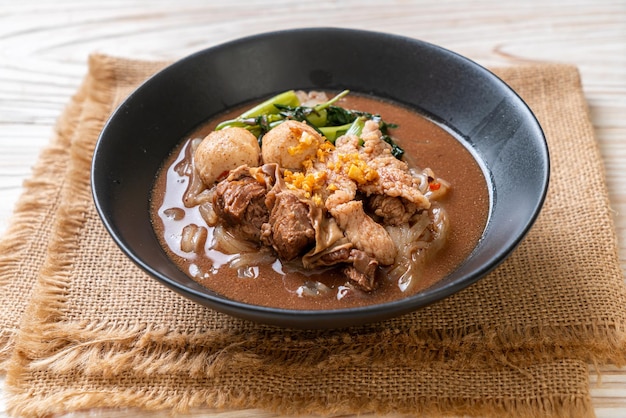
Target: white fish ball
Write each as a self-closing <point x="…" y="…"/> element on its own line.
<point x="224" y="150"/>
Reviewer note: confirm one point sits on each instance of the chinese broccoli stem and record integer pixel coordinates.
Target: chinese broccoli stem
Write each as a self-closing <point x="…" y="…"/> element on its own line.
<point x="287" y="98"/>
<point x="333" y="132"/>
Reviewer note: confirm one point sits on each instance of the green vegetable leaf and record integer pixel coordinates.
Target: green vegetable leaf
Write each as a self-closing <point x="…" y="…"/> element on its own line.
<point x="328" y="119"/>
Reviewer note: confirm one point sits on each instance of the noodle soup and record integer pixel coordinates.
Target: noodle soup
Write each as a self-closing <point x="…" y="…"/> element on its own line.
<point x="298" y="242"/>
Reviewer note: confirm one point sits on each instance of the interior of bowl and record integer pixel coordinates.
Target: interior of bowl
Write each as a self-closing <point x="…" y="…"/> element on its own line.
<point x="485" y="113"/>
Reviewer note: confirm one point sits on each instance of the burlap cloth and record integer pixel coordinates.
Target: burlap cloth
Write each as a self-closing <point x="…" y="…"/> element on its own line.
<point x="82" y="327"/>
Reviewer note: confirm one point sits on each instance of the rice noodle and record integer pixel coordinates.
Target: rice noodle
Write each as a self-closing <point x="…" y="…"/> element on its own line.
<point x="416" y="244"/>
<point x="439" y="228"/>
<point x="196" y="192"/>
<point x="227" y="243"/>
<point x="193" y="238"/>
<point x="245" y="253"/>
<point x="208" y="212"/>
<point x="252" y="258"/>
<point x="421" y="177"/>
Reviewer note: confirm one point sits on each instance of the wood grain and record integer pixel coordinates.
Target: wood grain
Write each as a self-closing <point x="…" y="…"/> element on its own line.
<point x="44" y="47"/>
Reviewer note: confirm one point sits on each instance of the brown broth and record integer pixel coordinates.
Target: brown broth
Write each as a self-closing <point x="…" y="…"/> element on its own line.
<point x="426" y="144"/>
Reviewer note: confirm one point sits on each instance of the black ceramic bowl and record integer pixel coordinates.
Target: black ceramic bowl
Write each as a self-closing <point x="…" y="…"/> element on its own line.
<point x="453" y="90"/>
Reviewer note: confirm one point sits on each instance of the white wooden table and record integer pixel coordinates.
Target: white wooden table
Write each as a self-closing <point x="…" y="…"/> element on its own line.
<point x="44" y="47"/>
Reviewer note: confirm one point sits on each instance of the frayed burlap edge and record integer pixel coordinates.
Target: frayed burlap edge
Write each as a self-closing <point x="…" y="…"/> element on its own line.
<point x="297" y="396"/>
<point x="100" y="350"/>
<point x="46" y="305"/>
<point x="32" y="212"/>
